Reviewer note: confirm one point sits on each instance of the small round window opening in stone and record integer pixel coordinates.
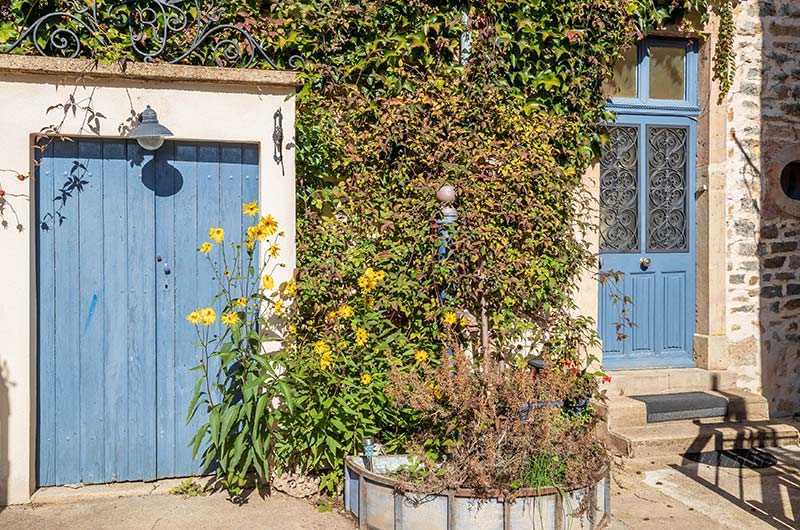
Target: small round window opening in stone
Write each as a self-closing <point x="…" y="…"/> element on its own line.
<point x="790" y="180"/>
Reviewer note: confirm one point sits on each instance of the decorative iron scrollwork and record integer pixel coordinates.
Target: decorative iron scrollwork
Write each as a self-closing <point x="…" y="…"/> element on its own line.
<point x="158" y="30"/>
<point x="619" y="191"/>
<point x="667" y="219"/>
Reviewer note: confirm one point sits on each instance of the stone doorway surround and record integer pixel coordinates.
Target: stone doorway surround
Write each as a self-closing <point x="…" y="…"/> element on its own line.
<point x="196" y="103"/>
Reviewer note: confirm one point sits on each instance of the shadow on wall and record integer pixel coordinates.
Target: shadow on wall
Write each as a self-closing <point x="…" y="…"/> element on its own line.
<point x="779" y="215"/>
<point x="5" y="412"/>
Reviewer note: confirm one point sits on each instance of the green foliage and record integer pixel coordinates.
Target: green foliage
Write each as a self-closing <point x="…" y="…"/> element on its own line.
<point x="189" y="488"/>
<point x="241" y="386"/>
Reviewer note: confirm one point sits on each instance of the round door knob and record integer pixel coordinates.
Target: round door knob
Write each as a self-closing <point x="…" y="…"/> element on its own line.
<point x="644" y="263"/>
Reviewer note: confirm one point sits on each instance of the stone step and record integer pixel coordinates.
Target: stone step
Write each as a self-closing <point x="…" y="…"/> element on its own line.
<point x="681" y="437"/>
<point x="667" y="380"/>
<point x="623" y="411"/>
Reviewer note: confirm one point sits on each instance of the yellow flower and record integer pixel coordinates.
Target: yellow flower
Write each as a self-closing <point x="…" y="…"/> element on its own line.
<point x="241" y="302"/>
<point x="249" y="243"/>
<point x="370" y="279"/>
<point x="257" y="232"/>
<point x="450" y="318"/>
<point x="369" y="301"/>
<point x="268" y="282"/>
<point x="230" y="319"/>
<point x="208" y="315"/>
<point x="194" y="317"/>
<point x="320" y="347"/>
<point x="292" y="329"/>
<point x="250" y="208"/>
<point x="226" y="273"/>
<point x="274" y="250"/>
<point x="342" y="344"/>
<point x="331" y="315"/>
<point x="421" y="356"/>
<point x="463" y="322"/>
<point x="278" y="307"/>
<point x="217" y="234"/>
<point x="346" y="311"/>
<point x="361" y="336"/>
<point x="291" y="287"/>
<point x="269" y="224"/>
<point x="366" y="379"/>
<point x="326" y="361"/>
<point x="206" y="247"/>
<point x="436" y="392"/>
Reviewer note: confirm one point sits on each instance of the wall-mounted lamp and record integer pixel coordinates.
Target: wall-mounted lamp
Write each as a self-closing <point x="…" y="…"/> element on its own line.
<point x="149" y="133"/>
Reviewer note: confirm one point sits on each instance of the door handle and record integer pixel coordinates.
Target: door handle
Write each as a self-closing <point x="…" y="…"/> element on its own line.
<point x="644" y="263"/>
<point x="167" y="270"/>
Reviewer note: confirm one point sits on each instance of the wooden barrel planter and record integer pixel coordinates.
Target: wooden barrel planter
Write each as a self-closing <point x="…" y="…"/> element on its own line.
<point x="373" y="498"/>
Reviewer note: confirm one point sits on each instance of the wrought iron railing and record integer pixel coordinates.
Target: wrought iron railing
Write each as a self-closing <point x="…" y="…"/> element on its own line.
<point x="158" y="30"/>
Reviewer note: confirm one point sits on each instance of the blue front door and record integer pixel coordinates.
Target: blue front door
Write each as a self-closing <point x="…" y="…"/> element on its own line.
<point x="647" y="208"/>
<point x="647" y="232"/>
<point x="118" y="268"/>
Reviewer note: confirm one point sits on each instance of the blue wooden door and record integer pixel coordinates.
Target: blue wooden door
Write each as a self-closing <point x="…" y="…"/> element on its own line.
<point x="118" y="268"/>
<point x="647" y="233"/>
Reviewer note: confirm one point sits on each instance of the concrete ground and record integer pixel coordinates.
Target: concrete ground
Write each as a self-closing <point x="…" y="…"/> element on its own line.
<point x="690" y="495"/>
<point x="682" y="496"/>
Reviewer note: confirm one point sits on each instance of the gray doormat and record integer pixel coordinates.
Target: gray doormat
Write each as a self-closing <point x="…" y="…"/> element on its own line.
<point x="683" y="406"/>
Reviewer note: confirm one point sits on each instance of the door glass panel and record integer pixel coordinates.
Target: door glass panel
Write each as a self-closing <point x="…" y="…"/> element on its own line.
<point x="619" y="191"/>
<point x="667" y="72"/>
<point x="623" y="81"/>
<point x="667" y="204"/>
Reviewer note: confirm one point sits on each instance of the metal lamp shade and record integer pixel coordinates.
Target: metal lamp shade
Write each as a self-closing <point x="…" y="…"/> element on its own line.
<point x="149" y="133"/>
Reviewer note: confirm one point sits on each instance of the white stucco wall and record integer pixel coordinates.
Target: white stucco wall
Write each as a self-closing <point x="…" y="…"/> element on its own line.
<point x="196" y="104"/>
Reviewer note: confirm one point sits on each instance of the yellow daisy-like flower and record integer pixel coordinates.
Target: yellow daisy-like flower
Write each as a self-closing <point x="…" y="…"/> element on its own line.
<point x="274" y="250"/>
<point x="421" y="356"/>
<point x="436" y="392"/>
<point x="326" y="361"/>
<point x="217" y="234"/>
<point x="250" y="208"/>
<point x="208" y="315"/>
<point x="370" y="279"/>
<point x="268" y="282"/>
<point x="361" y="336"/>
<point x="320" y="347"/>
<point x="230" y="319"/>
<point x="366" y="379"/>
<point x="342" y="344"/>
<point x="450" y="318"/>
<point x="463" y="322"/>
<point x="292" y="329"/>
<point x="194" y="317"/>
<point x="249" y="243"/>
<point x="206" y="247"/>
<point x="278" y="307"/>
<point x="269" y="224"/>
<point x="240" y="302"/>
<point x="257" y="232"/>
<point x="226" y="273"/>
<point x="291" y="287"/>
<point x="346" y="311"/>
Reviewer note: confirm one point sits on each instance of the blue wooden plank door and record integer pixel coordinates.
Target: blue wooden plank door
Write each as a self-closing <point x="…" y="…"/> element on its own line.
<point x="118" y="269"/>
<point x="647" y="233"/>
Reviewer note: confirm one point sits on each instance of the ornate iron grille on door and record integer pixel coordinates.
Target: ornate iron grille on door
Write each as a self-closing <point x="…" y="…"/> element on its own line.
<point x="158" y="30"/>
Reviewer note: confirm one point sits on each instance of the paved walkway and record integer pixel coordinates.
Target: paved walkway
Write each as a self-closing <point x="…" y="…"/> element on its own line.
<point x="680" y="497"/>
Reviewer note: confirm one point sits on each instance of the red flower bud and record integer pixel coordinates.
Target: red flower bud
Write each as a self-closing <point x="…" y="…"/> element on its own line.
<point x="606" y="379"/>
<point x="575" y="371"/>
<point x="2" y="192"/>
<point x="21" y="177"/>
<point x="567" y="362"/>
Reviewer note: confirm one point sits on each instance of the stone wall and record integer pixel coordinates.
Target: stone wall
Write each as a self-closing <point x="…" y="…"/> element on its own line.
<point x="763" y="292"/>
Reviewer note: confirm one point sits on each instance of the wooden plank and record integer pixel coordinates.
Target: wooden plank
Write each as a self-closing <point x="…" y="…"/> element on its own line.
<point x="90" y="312"/>
<point x="166" y="178"/>
<point x="208" y="208"/>
<point x="67" y="322"/>
<point x="141" y="326"/>
<point x="45" y="251"/>
<point x="230" y="167"/>
<point x="115" y="312"/>
<point x="186" y="301"/>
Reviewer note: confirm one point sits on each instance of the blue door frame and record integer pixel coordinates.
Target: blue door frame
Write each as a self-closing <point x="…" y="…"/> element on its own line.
<point x="117" y="270"/>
